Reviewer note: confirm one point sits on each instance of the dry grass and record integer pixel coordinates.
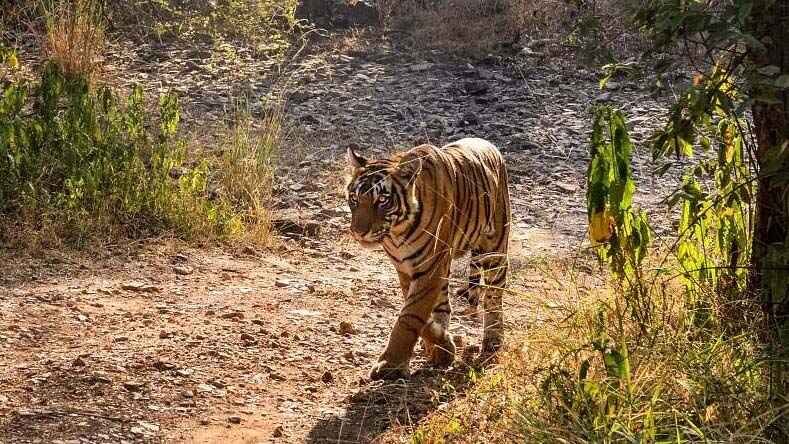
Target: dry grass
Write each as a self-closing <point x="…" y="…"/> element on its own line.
<point x="559" y="382"/>
<point x="244" y="168"/>
<point x="74" y="37"/>
<point x="477" y="28"/>
<point x="471" y="27"/>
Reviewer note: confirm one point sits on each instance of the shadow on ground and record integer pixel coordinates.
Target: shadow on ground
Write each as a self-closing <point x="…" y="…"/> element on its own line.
<point x="381" y="406"/>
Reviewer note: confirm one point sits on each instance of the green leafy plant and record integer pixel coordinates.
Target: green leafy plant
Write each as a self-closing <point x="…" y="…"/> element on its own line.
<point x="621" y="232"/>
<point x="78" y="158"/>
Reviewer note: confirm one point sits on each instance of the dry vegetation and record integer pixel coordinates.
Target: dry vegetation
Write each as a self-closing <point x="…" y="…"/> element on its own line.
<point x="478" y="28"/>
<point x="74" y="38"/>
<point x="592" y="373"/>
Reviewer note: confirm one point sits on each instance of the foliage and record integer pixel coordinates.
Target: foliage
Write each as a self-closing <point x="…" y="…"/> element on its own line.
<point x="623" y="231"/>
<point x="266" y="26"/>
<point x="80" y="160"/>
<point x="740" y="45"/>
<point x="244" y="170"/>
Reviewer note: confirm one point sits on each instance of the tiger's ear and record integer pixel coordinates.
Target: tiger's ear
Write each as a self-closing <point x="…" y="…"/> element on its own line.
<point x="355" y="160"/>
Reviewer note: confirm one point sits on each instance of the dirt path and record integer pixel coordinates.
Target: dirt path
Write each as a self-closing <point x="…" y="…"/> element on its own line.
<point x="162" y="343"/>
<point x="186" y="345"/>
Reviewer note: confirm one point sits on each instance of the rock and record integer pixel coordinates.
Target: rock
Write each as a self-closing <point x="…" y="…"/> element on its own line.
<point x="78" y="362"/>
<point x="234" y="419"/>
<point x="165" y="334"/>
<point x="204" y="388"/>
<point x="183" y="270"/>
<point x="140" y="287"/>
<point x="133" y="386"/>
<point x="281" y="283"/>
<point x="346" y="328"/>
<point x="163" y="364"/>
<point x="304" y="312"/>
<point x="567" y="187"/>
<point x="475" y="88"/>
<point x="603" y="97"/>
<point x="278" y="432"/>
<point x="419" y="67"/>
<point x="469" y="119"/>
<point x="248" y="339"/>
<point x="99" y="377"/>
<point x="235" y="315"/>
<point x="185" y="372"/>
<point x="327" y="377"/>
<point x="296" y="228"/>
<point x="528" y="52"/>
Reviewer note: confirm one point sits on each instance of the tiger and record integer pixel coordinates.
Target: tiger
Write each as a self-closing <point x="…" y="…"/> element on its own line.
<point x="425" y="207"/>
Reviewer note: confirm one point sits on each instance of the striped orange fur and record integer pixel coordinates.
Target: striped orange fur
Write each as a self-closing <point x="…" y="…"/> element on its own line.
<point x="425" y="207"/>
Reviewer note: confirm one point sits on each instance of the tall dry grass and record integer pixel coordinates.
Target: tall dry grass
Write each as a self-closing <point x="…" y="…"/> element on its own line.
<point x="74" y="36"/>
<point x="244" y="168"/>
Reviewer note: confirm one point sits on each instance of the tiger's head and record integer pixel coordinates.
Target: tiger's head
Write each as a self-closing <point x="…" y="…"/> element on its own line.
<point x="381" y="195"/>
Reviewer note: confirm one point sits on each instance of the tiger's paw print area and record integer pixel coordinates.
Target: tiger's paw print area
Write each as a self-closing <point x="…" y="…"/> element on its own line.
<point x="162" y="342"/>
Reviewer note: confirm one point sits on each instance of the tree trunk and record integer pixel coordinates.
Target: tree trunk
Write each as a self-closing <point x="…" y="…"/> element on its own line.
<point x="770" y="258"/>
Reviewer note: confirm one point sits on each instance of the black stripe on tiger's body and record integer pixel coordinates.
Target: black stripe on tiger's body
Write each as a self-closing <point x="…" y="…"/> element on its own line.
<point x="425" y="207"/>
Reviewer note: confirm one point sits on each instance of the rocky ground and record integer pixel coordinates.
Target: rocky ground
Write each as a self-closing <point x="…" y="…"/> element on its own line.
<point x="160" y="342"/>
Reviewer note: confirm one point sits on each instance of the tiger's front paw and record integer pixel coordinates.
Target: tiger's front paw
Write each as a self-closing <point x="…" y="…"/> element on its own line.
<point x="384" y="370"/>
<point x="443" y="355"/>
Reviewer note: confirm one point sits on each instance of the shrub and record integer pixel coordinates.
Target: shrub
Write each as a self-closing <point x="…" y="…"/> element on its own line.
<point x="476" y="28"/>
<point x="82" y="161"/>
<point x="267" y="26"/>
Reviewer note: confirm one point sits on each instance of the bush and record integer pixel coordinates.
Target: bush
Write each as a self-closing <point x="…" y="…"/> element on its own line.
<point x="78" y="159"/>
<point x="476" y="28"/>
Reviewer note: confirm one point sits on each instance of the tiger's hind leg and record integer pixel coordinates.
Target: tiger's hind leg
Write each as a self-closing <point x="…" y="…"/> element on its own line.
<point x="495" y="266"/>
<point x="471" y="292"/>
